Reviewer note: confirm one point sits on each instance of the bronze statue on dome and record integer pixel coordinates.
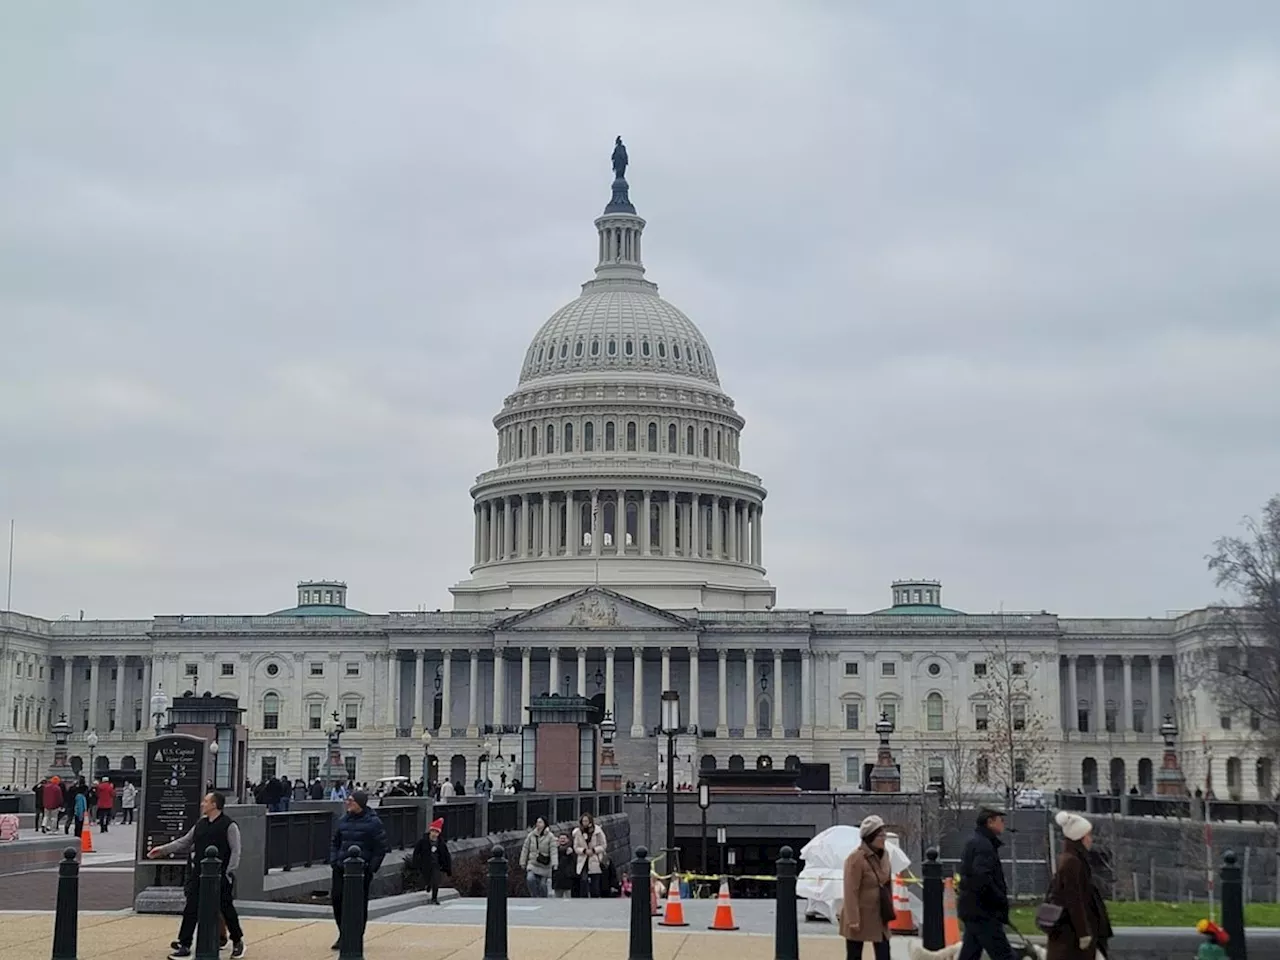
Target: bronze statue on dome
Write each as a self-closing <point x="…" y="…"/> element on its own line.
<point x="619" y="159"/>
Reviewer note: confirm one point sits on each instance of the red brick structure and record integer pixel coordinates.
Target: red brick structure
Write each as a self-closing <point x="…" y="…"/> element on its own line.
<point x="565" y="744"/>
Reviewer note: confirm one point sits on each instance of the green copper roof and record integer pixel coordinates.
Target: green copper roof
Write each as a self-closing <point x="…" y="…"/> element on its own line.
<point x="319" y="610"/>
<point x="920" y="610"/>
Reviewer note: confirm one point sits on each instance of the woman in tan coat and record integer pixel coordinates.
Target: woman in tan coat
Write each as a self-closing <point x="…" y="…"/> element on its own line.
<point x="868" y="895"/>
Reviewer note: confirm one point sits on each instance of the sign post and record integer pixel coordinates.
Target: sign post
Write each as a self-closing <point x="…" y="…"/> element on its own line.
<point x="173" y="781"/>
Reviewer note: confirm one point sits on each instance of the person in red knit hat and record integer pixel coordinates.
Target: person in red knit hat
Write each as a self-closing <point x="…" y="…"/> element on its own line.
<point x="431" y="858"/>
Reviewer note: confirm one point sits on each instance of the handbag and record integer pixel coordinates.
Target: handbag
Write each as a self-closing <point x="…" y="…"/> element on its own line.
<point x="1049" y="917"/>
<point x="543" y="860"/>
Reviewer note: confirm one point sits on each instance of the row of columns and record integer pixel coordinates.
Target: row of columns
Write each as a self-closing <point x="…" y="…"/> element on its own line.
<point x="597" y="523"/>
<point x="1124" y="720"/>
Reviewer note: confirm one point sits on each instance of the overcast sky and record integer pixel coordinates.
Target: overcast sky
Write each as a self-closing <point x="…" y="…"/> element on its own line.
<point x="996" y="285"/>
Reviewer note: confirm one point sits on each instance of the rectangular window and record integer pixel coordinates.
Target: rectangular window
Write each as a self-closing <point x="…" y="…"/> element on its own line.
<point x="980" y="669"/>
<point x="1255" y="722"/>
<point x="114" y="671"/>
<point x="933" y="713"/>
<point x="191" y="669"/>
<point x="936" y="770"/>
<point x="316" y="668"/>
<point x="853" y="769"/>
<point x="1019" y="770"/>
<point x="137" y="719"/>
<point x="85" y="718"/>
<point x="981" y="716"/>
<point x="313" y="768"/>
<point x="140" y="673"/>
<point x="313" y="716"/>
<point x="888" y="668"/>
<point x="1019" y="716"/>
<point x="353" y="668"/>
<point x="851" y="716"/>
<point x="228" y="669"/>
<point x="1019" y="668"/>
<point x="271" y="713"/>
<point x="350" y="763"/>
<point x="890" y="711"/>
<point x="111" y="718"/>
<point x="1111" y="716"/>
<point x="1082" y="719"/>
<point x="88" y="674"/>
<point x="268" y="767"/>
<point x="352" y="720"/>
<point x="1226" y="721"/>
<point x="851" y="668"/>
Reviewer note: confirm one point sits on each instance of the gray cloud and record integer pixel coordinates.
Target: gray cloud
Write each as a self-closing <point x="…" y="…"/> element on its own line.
<point x="994" y="285"/>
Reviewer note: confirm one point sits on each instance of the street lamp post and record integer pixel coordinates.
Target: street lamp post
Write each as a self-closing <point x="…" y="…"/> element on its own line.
<point x="486" y="760"/>
<point x="91" y="739"/>
<point x="426" y="758"/>
<point x="704" y="801"/>
<point x="671" y="727"/>
<point x="213" y="764"/>
<point x="159" y="706"/>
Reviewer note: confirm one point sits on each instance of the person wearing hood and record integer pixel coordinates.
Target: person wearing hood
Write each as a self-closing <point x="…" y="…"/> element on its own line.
<point x="431" y="858"/>
<point x="983" y="903"/>
<point x="358" y="827"/>
<point x="868" y="895"/>
<point x="1085" y="928"/>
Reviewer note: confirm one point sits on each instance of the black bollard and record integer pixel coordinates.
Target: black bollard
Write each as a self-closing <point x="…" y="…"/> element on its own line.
<point x="495" y="917"/>
<point x="67" y="913"/>
<point x="931" y="930"/>
<point x="351" y="932"/>
<point x="1233" y="906"/>
<point x="786" y="934"/>
<point x="208" y="905"/>
<point x="641" y="907"/>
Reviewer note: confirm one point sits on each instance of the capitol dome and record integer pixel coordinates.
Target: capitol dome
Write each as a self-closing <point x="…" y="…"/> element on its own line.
<point x="618" y="454"/>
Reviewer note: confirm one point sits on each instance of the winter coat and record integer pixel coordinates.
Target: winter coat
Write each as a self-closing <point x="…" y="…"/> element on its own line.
<point x="591" y="851"/>
<point x="81" y="807"/>
<point x="535" y="844"/>
<point x="366" y="831"/>
<point x="983" y="894"/>
<point x="864" y="874"/>
<point x="107" y="795"/>
<point x="1073" y="889"/>
<point x="52" y="796"/>
<point x="563" y="877"/>
<point x="429" y="866"/>
<point x="129" y="797"/>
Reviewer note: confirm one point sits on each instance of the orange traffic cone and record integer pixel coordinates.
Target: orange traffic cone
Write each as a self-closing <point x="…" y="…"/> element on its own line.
<point x="903" y="921"/>
<point x="674" y="915"/>
<point x="950" y="923"/>
<point x="723" y="919"/>
<point x="86" y="840"/>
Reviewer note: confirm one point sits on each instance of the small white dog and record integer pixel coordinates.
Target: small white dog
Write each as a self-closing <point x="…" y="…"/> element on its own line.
<point x="1029" y="951"/>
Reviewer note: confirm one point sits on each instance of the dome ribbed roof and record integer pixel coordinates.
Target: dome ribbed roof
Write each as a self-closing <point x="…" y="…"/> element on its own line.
<point x="613" y="330"/>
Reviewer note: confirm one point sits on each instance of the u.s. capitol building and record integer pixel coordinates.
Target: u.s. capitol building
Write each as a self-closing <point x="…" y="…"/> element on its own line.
<point x="620" y="551"/>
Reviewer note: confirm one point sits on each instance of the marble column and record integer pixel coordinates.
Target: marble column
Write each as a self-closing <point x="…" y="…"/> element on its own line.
<point x="666" y="669"/>
<point x="1157" y="716"/>
<point x="1073" y="692"/>
<point x="299" y="669"/>
<point x="1100" y="696"/>
<point x="694" y="712"/>
<point x="473" y="696"/>
<point x="148" y="688"/>
<point x="416" y="717"/>
<point x="643" y="525"/>
<point x="620" y="523"/>
<point x="499" y="686"/>
<point x="715" y="528"/>
<point x="637" y="692"/>
<point x="493" y="530"/>
<point x="759" y="534"/>
<point x="731" y="548"/>
<point x="582" y="671"/>
<point x="508" y="530"/>
<point x="94" y="661"/>
<point x="526" y="682"/>
<point x="806" y="693"/>
<point x="479" y="533"/>
<point x="524" y="526"/>
<point x="446" y="696"/>
<point x="553" y="671"/>
<point x="246" y="695"/>
<point x="597" y="537"/>
<point x="68" y="675"/>
<point x="393" y="673"/>
<point x="778" y="726"/>
<point x="120" y="712"/>
<point x="750" y="731"/>
<point x="608" y="682"/>
<point x="545" y="547"/>
<point x="1125" y="724"/>
<point x="722" y="711"/>
<point x="669" y="526"/>
<point x="695" y="525"/>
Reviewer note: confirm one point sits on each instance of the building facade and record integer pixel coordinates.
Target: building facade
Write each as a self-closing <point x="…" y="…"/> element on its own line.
<point x="619" y="552"/>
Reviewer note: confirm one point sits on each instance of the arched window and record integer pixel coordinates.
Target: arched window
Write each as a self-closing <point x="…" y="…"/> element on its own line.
<point x="1145" y="775"/>
<point x="688" y="441"/>
<point x="983" y="771"/>
<point x="631" y="436"/>
<point x="933" y="712"/>
<point x="1233" y="775"/>
<point x="550" y="434"/>
<point x="1263" y="771"/>
<point x="671" y="438"/>
<point x="653" y="436"/>
<point x="533" y="441"/>
<point x="613" y="348"/>
<point x="588" y="436"/>
<point x="1089" y="773"/>
<point x="608" y="522"/>
<point x="633" y="524"/>
<point x="719" y="445"/>
<point x="609" y="435"/>
<point x="271" y="712"/>
<point x="568" y="438"/>
<point x="595" y="348"/>
<point x="706" y="442"/>
<point x="520" y="443"/>
<point x="1117" y="777"/>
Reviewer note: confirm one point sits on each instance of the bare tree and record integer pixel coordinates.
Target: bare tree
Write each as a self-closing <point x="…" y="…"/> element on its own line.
<point x="1244" y="672"/>
<point x="1015" y="743"/>
<point x="956" y="793"/>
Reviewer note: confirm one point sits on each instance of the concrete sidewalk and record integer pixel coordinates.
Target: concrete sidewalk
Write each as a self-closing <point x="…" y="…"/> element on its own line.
<point x="125" y="936"/>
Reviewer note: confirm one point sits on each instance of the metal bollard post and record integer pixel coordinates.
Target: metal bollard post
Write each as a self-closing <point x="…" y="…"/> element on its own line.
<point x="495" y="917"/>
<point x="67" y="913"/>
<point x="641" y="909"/>
<point x="351" y="933"/>
<point x="786" y="934"/>
<point x="1233" y="906"/>
<point x="208" y="905"/>
<point x="931" y="930"/>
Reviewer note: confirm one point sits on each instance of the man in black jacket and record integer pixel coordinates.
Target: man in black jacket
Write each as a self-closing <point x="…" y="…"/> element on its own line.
<point x="359" y="826"/>
<point x="983" y="904"/>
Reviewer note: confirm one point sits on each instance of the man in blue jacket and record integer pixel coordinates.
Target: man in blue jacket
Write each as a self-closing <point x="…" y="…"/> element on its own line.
<point x="983" y="904"/>
<point x="361" y="827"/>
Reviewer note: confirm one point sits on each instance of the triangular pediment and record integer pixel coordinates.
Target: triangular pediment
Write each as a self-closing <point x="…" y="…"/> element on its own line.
<point x="594" y="608"/>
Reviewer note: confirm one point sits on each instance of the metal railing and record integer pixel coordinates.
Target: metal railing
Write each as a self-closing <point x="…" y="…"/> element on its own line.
<point x="299" y="838"/>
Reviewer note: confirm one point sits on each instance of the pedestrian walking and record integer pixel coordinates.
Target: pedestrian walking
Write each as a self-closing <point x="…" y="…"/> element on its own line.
<point x="80" y="807"/>
<point x="128" y="802"/>
<point x="591" y="850"/>
<point x="213" y="829"/>
<point x="69" y="793"/>
<point x="53" y="800"/>
<point x="106" y="804"/>
<point x="39" y="796"/>
<point x="431" y="858"/>
<point x="359" y="827"/>
<point x="1085" y="928"/>
<point x="539" y="857"/>
<point x="983" y="904"/>
<point x="564" y="877"/>
<point x="868" y="895"/>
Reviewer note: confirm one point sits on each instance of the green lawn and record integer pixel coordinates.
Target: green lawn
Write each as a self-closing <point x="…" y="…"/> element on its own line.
<point x="1128" y="914"/>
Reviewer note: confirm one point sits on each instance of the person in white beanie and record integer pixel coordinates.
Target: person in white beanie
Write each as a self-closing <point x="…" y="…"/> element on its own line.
<point x="1085" y="928"/>
<point x="868" y="897"/>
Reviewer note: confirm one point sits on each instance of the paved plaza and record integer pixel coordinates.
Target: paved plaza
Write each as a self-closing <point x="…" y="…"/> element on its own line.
<point x="106" y="874"/>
